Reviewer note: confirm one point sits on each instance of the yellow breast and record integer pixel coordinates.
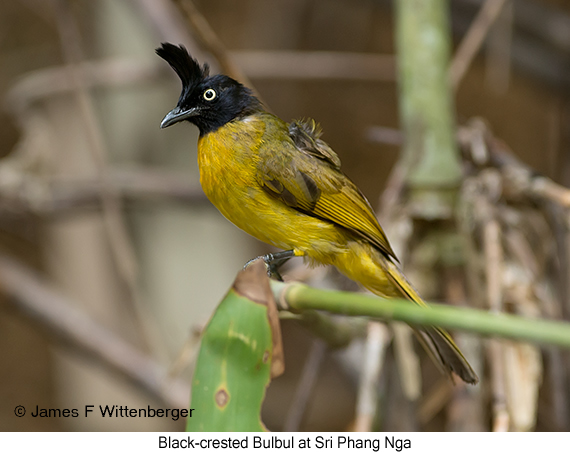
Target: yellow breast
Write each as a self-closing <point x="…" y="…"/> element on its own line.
<point x="228" y="159"/>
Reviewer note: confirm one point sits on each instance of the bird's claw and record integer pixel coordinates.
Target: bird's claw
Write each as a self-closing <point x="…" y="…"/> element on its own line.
<point x="272" y="262"/>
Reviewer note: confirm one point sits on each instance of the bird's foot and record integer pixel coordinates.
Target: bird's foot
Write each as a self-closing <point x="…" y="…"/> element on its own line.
<point x="272" y="262"/>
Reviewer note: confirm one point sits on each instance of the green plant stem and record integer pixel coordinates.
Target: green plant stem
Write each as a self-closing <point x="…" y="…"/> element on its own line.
<point x="426" y="106"/>
<point x="337" y="332"/>
<point x="296" y="296"/>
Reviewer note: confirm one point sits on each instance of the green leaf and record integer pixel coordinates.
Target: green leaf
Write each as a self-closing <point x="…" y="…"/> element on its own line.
<point x="235" y="361"/>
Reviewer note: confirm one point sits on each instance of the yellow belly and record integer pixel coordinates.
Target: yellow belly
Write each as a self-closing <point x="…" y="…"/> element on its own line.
<point x="228" y="162"/>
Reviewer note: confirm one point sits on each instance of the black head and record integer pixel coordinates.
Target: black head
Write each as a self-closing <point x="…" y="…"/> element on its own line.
<point x="208" y="102"/>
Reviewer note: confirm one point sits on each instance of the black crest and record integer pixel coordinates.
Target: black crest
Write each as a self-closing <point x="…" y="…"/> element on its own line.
<point x="208" y="102"/>
<point x="187" y="68"/>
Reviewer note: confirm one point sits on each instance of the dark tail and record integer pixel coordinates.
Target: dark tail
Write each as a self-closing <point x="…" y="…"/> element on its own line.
<point x="437" y="342"/>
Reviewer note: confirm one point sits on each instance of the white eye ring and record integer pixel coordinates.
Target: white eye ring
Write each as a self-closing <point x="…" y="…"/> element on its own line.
<point x="210" y="94"/>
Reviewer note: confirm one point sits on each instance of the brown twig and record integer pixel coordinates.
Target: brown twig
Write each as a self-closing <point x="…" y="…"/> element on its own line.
<point x="434" y="401"/>
<point x="533" y="207"/>
<point x="493" y="271"/>
<point x="164" y="17"/>
<point x="53" y="311"/>
<point x="210" y="41"/>
<point x="279" y="64"/>
<point x="558" y="376"/>
<point x="407" y="361"/>
<point x="521" y="179"/>
<point x="187" y="354"/>
<point x="305" y="386"/>
<point x="58" y="80"/>
<point x="467" y="226"/>
<point x="500" y="412"/>
<point x="367" y="399"/>
<point x="385" y="135"/>
<point x="465" y="412"/>
<point x="498" y="50"/>
<point x="131" y="184"/>
<point x="55" y="196"/>
<point x="548" y="189"/>
<point x="122" y="248"/>
<point x="473" y="40"/>
<point x="391" y="197"/>
<point x="518" y="178"/>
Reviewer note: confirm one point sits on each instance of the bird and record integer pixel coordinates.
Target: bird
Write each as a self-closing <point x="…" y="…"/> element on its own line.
<point x="282" y="184"/>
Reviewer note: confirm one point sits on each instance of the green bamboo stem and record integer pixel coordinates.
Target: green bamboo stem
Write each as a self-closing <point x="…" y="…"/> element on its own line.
<point x="337" y="332"/>
<point x="296" y="296"/>
<point x="426" y="106"/>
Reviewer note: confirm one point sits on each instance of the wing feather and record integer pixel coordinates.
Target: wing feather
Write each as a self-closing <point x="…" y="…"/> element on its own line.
<point x="305" y="175"/>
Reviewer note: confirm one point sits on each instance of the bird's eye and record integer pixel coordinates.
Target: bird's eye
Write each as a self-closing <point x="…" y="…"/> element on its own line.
<point x="209" y="94"/>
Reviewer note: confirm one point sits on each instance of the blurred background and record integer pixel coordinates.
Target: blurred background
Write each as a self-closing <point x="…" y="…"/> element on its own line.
<point x="112" y="260"/>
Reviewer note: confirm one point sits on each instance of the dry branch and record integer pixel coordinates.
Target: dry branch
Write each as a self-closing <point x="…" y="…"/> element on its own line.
<point x="53" y="311"/>
<point x="30" y="195"/>
<point x="473" y="40"/>
<point x="519" y="180"/>
<point x="210" y="41"/>
<point x="305" y="386"/>
<point x="115" y="225"/>
<point x="280" y="64"/>
<point x="57" y="80"/>
<point x="511" y="224"/>
<point x="367" y="403"/>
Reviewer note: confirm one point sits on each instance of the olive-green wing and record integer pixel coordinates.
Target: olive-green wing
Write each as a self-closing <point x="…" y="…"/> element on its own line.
<point x="305" y="175"/>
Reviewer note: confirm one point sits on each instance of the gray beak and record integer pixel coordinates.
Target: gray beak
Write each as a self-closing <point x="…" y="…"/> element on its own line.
<point x="177" y="115"/>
